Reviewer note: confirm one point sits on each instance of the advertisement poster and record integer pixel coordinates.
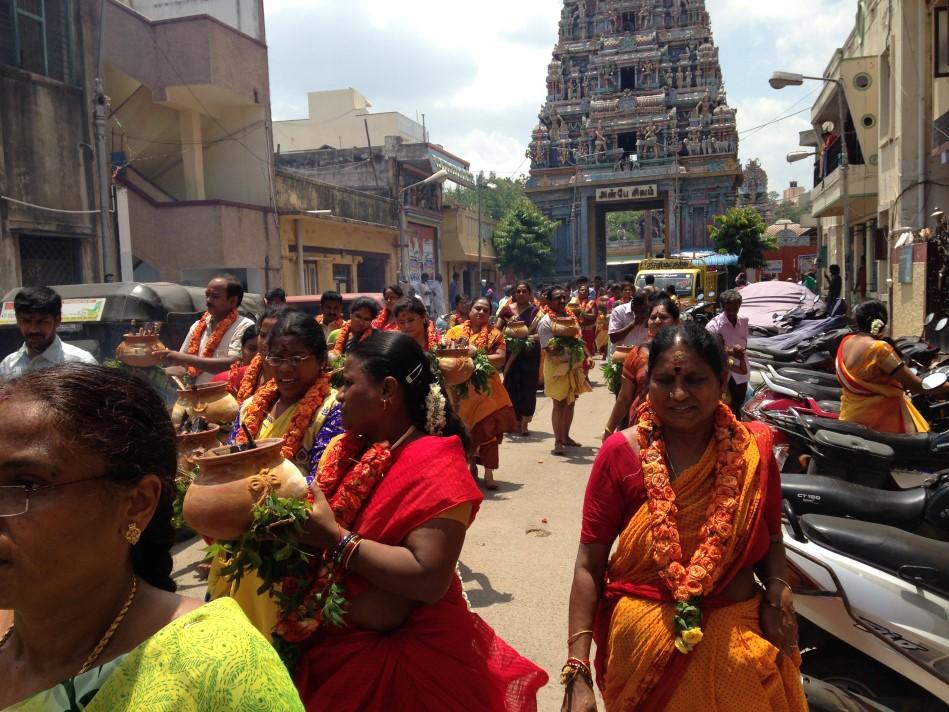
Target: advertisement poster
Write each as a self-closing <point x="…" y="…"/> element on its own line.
<point x="421" y="242"/>
<point x="74" y="311"/>
<point x="805" y="263"/>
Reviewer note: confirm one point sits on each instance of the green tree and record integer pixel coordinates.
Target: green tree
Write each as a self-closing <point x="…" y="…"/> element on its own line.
<point x="495" y="202"/>
<point x="522" y="241"/>
<point x="740" y="231"/>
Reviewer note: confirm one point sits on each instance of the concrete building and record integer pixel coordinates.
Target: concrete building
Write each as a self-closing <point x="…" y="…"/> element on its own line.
<point x="397" y="171"/>
<point x="892" y="76"/>
<point x="354" y="247"/>
<point x="190" y="140"/>
<point x="341" y="119"/>
<point x="795" y="253"/>
<point x="792" y="194"/>
<point x="49" y="198"/>
<point x="460" y="248"/>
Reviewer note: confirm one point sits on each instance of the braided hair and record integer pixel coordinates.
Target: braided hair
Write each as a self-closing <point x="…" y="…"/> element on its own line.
<point x="392" y="353"/>
<point x="121" y="419"/>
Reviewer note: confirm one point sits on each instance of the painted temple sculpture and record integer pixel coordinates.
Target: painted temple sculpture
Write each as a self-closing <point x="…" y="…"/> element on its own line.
<point x="635" y="97"/>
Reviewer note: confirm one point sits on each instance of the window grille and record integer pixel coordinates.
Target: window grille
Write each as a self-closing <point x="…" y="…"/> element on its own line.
<point x="50" y="260"/>
<point x="35" y="36"/>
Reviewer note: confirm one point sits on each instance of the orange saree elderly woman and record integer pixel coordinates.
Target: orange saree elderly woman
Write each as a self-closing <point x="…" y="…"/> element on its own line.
<point x="490" y="414"/>
<point x="694" y="499"/>
<point x="875" y="379"/>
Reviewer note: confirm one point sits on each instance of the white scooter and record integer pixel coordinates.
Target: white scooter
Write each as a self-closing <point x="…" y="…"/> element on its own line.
<point x="873" y="603"/>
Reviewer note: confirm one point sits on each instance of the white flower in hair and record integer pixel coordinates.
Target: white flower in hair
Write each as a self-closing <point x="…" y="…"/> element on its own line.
<point x="876" y="327"/>
<point x="435" y="410"/>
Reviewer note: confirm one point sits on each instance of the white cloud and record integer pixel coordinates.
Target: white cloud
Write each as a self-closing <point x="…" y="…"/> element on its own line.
<point x="477" y="70"/>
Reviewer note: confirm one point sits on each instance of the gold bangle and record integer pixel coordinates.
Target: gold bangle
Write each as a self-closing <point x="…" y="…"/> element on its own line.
<point x="578" y="635"/>
<point x="779" y="580"/>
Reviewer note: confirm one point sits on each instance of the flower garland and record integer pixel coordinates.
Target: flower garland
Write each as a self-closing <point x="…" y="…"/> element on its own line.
<point x="482" y="340"/>
<point x="194" y="344"/>
<point x="251" y="378"/>
<point x="432" y="336"/>
<point x="435" y="410"/>
<point x="343" y="336"/>
<point x="262" y="403"/>
<point x="333" y="325"/>
<point x="381" y="322"/>
<point x="347" y="478"/>
<point x="234" y="378"/>
<point x="689" y="583"/>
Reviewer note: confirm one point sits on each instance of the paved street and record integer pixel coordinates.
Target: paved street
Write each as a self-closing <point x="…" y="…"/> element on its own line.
<point x="516" y="566"/>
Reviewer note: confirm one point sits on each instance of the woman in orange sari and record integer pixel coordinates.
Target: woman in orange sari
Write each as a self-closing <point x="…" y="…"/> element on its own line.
<point x="694" y="499"/>
<point x="491" y="414"/>
<point x="392" y="507"/>
<point x="875" y="379"/>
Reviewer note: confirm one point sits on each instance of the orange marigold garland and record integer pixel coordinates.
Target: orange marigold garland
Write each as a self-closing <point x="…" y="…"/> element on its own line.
<point x="251" y="379"/>
<point x="382" y="320"/>
<point x="483" y="338"/>
<point x="194" y="344"/>
<point x="689" y="583"/>
<point x="343" y="336"/>
<point x="263" y="401"/>
<point x="333" y="325"/>
<point x="432" y="336"/>
<point x="234" y="378"/>
<point x="347" y="478"/>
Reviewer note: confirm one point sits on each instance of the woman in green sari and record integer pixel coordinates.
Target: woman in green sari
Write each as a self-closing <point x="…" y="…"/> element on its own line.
<point x="88" y="615"/>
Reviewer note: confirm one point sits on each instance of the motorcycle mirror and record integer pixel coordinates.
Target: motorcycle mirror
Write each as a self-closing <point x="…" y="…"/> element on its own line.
<point x="929" y="319"/>
<point x="935" y="380"/>
<point x="711" y="295"/>
<point x="941" y="324"/>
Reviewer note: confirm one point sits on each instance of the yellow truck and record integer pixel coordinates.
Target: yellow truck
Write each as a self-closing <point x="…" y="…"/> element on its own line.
<point x="691" y="278"/>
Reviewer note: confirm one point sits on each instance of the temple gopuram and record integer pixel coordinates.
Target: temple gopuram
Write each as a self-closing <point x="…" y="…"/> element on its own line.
<point x="637" y="123"/>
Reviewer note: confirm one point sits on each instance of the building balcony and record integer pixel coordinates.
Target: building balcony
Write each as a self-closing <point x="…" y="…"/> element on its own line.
<point x="827" y="196"/>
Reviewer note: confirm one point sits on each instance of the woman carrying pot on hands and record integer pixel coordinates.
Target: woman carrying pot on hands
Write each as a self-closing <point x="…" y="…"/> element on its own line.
<point x="522" y="370"/>
<point x="489" y="414"/>
<point x="694" y="499"/>
<point x="299" y="405"/>
<point x="393" y="502"/>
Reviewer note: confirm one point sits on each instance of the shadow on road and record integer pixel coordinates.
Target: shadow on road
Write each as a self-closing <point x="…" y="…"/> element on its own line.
<point x="504" y="489"/>
<point x="484" y="596"/>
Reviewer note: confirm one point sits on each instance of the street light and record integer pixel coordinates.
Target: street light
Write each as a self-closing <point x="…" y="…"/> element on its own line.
<point x="301" y="272"/>
<point x="795" y="156"/>
<point x="439" y="176"/>
<point x="780" y="80"/>
<point x="478" y="186"/>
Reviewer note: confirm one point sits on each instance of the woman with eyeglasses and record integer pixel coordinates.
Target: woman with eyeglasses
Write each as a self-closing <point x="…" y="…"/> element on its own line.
<point x="386" y="320"/>
<point x="299" y="405"/>
<point x="88" y="614"/>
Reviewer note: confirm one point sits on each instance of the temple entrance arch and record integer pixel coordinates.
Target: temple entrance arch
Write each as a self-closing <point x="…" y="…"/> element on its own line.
<point x="628" y="231"/>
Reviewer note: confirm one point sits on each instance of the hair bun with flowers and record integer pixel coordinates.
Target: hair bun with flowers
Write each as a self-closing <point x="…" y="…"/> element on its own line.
<point x="876" y="327"/>
<point x="435" y="410"/>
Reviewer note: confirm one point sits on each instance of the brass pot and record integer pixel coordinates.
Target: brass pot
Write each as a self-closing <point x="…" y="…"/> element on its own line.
<point x="620" y="353"/>
<point x="455" y="364"/>
<point x="192" y="445"/>
<point x="212" y="401"/>
<point x="517" y="330"/>
<point x="564" y="326"/>
<point x="140" y="351"/>
<point x="220" y="502"/>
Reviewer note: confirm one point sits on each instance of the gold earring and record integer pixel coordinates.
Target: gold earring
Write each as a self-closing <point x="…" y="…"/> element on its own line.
<point x="385" y="404"/>
<point x="133" y="534"/>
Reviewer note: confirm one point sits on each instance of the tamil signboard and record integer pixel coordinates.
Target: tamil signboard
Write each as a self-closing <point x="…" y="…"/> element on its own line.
<point x="627" y="192"/>
<point x="74" y="310"/>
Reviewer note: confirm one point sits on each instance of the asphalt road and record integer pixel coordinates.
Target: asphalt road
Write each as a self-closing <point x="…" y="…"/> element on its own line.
<point x="517" y="562"/>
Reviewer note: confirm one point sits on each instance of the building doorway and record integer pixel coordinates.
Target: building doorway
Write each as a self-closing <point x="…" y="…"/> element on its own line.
<point x="371" y="274"/>
<point x="631" y="232"/>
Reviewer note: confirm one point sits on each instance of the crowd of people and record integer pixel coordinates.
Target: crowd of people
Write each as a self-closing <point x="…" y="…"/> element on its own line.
<point x="693" y="602"/>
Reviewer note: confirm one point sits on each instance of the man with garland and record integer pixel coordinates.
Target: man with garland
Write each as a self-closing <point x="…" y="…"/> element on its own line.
<point x="330" y="317"/>
<point x="213" y="342"/>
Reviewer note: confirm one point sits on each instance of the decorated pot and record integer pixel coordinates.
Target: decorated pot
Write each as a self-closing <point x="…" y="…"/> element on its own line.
<point x="220" y="502"/>
<point x="212" y="401"/>
<point x="140" y="350"/>
<point x="620" y="353"/>
<point x="517" y="330"/>
<point x="564" y="326"/>
<point x="455" y="364"/>
<point x="192" y="445"/>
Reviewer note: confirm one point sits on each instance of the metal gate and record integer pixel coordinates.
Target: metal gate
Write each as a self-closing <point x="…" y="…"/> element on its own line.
<point x="50" y="260"/>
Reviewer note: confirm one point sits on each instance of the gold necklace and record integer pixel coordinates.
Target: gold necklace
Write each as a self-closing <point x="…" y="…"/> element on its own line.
<point x="104" y="641"/>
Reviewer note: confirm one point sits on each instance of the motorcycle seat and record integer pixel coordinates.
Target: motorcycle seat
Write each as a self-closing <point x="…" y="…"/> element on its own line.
<point x="921" y="561"/>
<point x="829" y="406"/>
<point x="916" y="446"/>
<point x="850" y="443"/>
<point x="776" y="354"/>
<point x="818" y="378"/>
<point x="815" y="391"/>
<point x="816" y="494"/>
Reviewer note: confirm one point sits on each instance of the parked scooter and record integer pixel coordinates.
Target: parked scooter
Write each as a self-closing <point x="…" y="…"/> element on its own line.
<point x="781" y="398"/>
<point x="872" y="601"/>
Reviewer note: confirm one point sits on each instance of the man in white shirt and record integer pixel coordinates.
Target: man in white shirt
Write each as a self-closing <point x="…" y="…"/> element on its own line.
<point x="438" y="297"/>
<point x="221" y="329"/>
<point x="733" y="331"/>
<point x="628" y="322"/>
<point x="38" y="314"/>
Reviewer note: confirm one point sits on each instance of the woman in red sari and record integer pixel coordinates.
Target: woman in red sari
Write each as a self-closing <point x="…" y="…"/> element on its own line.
<point x="692" y="499"/>
<point x="409" y="641"/>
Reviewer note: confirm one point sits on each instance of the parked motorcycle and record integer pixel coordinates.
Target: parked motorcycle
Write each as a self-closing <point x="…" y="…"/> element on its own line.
<point x="872" y="602"/>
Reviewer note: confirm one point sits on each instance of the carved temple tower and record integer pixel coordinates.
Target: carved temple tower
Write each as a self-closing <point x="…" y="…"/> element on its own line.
<point x="636" y="119"/>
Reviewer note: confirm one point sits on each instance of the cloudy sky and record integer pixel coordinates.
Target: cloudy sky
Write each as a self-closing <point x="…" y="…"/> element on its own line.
<point x="477" y="70"/>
